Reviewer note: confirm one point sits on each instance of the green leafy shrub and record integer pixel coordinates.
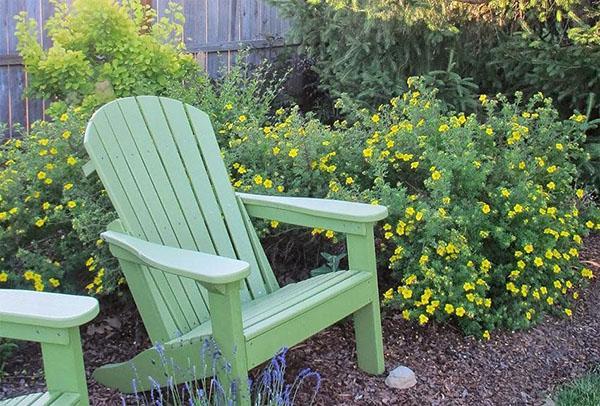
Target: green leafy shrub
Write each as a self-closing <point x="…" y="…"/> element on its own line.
<point x="103" y="49"/>
<point x="485" y="222"/>
<point x="50" y="214"/>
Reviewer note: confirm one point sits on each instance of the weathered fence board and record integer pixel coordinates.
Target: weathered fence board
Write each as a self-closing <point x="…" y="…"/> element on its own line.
<point x="215" y="30"/>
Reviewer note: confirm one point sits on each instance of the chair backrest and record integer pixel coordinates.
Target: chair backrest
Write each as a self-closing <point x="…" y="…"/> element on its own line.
<point x="162" y="168"/>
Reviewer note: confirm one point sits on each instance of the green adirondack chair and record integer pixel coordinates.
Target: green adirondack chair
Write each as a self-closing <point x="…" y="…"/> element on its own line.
<point x="53" y="320"/>
<point x="193" y="261"/>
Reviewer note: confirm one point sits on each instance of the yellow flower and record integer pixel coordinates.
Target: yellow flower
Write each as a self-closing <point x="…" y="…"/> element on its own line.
<point x="268" y="184"/>
<point x="43" y="142"/>
<point x="66" y="135"/>
<point x="349" y="180"/>
<point x="489" y="131"/>
<point x="589" y="224"/>
<point x="580" y="118"/>
<point x="559" y="147"/>
<point x="443" y="128"/>
<point x="436" y="175"/>
<point x="274" y="223"/>
<point x="486" y="335"/>
<point x="483" y="99"/>
<point x="228" y="106"/>
<point x="406" y="314"/>
<point x="258" y="179"/>
<point x="460" y="311"/>
<point x="389" y="294"/>
<point x="368" y="152"/>
<point x="40" y="222"/>
<point x="550" y="301"/>
<point x="485" y="208"/>
<point x="528" y="248"/>
<point x="71" y="204"/>
<point x="41" y="175"/>
<point x="280" y="188"/>
<point x="551" y="169"/>
<point x="3" y="277"/>
<point x="329" y="234"/>
<point x="375" y="118"/>
<point x="64" y="117"/>
<point x="54" y="282"/>
<point x="48" y="181"/>
<point x="242" y="118"/>
<point x="293" y="153"/>
<point x="587" y="273"/>
<point x="580" y="193"/>
<point x="423" y="319"/>
<point x="551" y="185"/>
<point x="276" y="150"/>
<point x="71" y="160"/>
<point x="538" y="261"/>
<point x="568" y="312"/>
<point x="68" y="186"/>
<point x="448" y="308"/>
<point x="467" y="286"/>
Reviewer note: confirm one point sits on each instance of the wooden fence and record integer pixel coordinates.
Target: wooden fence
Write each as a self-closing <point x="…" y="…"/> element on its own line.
<point x="214" y="31"/>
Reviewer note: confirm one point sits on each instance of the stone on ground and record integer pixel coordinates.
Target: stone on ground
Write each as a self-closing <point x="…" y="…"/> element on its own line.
<point x="401" y="378"/>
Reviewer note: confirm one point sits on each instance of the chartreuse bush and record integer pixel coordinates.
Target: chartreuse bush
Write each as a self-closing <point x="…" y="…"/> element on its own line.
<point x="486" y="218"/>
<point x="103" y="49"/>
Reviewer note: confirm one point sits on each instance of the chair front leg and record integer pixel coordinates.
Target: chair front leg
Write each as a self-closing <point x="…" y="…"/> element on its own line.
<point x="228" y="333"/>
<point x="63" y="366"/>
<point x="367" y="320"/>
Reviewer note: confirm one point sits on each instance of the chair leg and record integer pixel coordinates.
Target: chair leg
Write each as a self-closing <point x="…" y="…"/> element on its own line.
<point x="228" y="334"/>
<point x="63" y="367"/>
<point x="369" y="341"/>
<point x="367" y="320"/>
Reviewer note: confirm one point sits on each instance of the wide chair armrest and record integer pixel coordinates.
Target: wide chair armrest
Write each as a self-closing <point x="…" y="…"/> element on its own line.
<point x="44" y="309"/>
<point x="336" y="215"/>
<point x="202" y="267"/>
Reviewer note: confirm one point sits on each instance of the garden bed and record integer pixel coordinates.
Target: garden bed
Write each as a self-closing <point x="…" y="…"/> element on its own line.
<point x="512" y="368"/>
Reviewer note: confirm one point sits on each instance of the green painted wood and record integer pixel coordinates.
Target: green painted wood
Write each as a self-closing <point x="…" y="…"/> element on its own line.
<point x="183" y="226"/>
<point x="329" y="209"/>
<point x="53" y="320"/>
<point x="367" y="320"/>
<point x="40" y="334"/>
<point x="44" y="399"/>
<point x="142" y="285"/>
<point x="194" y="265"/>
<point x="227" y="331"/>
<point x="306" y="324"/>
<point x="288" y="215"/>
<point x="263" y="263"/>
<point x="146" y="185"/>
<point x="63" y="367"/>
<point x="45" y="309"/>
<point x="130" y="220"/>
<point x="219" y="177"/>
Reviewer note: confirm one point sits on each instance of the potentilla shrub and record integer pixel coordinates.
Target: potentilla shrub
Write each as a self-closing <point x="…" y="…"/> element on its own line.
<point x="51" y="215"/>
<point x="486" y="218"/>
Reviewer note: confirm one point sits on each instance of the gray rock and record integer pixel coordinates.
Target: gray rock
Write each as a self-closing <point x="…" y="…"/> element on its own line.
<point x="401" y="378"/>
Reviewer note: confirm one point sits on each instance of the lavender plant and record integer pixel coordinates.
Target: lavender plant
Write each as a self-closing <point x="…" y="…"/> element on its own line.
<point x="204" y="389"/>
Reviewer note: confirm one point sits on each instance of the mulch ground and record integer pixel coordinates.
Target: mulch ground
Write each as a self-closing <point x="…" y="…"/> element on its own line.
<point x="513" y="368"/>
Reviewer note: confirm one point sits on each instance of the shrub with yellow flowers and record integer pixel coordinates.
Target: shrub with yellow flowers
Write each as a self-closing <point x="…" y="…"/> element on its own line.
<point x="50" y="215"/>
<point x="486" y="217"/>
<point x="486" y="214"/>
